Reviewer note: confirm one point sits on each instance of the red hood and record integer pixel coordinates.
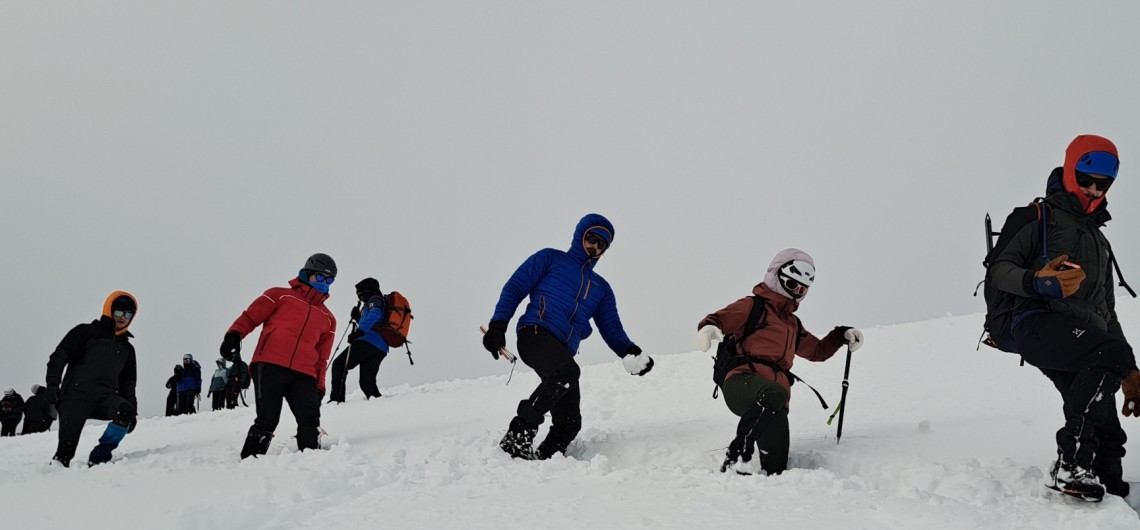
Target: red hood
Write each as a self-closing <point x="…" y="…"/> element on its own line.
<point x="1085" y="143"/>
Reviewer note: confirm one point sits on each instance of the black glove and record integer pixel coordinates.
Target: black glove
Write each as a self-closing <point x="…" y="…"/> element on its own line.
<point x="321" y="391"/>
<point x="131" y="426"/>
<point x="355" y="335"/>
<point x="496" y="337"/>
<point x="231" y="346"/>
<point x="355" y="314"/>
<point x="635" y="362"/>
<point x="53" y="394"/>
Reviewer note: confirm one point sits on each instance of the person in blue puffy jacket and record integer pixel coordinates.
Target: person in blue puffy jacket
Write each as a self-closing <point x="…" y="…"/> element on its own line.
<point x="366" y="347"/>
<point x="565" y="294"/>
<point x="190" y="387"/>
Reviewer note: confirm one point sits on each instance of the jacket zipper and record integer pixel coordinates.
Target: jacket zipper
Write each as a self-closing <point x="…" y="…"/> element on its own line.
<point x="581" y="279"/>
<point x="301" y="333"/>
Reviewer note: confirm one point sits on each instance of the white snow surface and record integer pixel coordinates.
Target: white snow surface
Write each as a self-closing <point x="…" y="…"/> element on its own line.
<point x="936" y="436"/>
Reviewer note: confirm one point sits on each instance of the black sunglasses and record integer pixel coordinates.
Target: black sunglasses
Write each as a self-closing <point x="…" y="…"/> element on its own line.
<point x="1085" y="180"/>
<point x="595" y="239"/>
<point x="119" y="313"/>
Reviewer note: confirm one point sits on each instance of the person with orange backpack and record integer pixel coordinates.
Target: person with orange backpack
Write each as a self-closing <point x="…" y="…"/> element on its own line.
<point x="366" y="347"/>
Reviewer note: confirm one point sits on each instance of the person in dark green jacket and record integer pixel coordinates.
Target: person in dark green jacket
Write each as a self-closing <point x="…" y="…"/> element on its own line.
<point x="1064" y="321"/>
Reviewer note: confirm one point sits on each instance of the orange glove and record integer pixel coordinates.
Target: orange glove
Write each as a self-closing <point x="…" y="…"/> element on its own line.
<point x="1057" y="280"/>
<point x="1131" y="388"/>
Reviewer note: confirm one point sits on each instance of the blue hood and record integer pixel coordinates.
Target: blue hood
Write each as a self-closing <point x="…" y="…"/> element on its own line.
<point x="591" y="222"/>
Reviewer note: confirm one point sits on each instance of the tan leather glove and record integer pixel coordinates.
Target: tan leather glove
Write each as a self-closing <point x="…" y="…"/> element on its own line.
<point x="1131" y="388"/>
<point x="1055" y="280"/>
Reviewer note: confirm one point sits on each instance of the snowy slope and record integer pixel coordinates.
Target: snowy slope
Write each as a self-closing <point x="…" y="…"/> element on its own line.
<point x="937" y="436"/>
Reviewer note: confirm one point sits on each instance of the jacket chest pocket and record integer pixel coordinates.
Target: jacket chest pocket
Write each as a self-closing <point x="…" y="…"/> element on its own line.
<point x="1064" y="239"/>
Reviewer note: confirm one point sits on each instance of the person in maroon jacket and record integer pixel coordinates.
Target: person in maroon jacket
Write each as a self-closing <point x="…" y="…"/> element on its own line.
<point x="759" y="388"/>
<point x="292" y="353"/>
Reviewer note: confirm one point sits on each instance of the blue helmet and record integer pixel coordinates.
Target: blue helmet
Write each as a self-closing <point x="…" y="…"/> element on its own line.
<point x="1100" y="163"/>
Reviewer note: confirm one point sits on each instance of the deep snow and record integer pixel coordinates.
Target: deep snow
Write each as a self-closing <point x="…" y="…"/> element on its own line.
<point x="937" y="435"/>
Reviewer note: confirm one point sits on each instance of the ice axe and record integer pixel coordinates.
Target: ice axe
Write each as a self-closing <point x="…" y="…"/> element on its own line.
<point x="842" y="406"/>
<point x="504" y="353"/>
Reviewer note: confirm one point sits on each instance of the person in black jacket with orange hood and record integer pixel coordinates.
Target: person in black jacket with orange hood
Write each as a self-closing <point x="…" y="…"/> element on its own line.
<point x="1064" y="318"/>
<point x="99" y="381"/>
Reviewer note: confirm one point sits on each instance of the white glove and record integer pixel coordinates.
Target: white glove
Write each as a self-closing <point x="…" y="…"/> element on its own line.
<point x="854" y="339"/>
<point x="639" y="364"/>
<point x="706" y="335"/>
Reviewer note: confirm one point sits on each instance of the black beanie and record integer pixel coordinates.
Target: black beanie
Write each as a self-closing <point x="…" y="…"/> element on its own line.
<point x="123" y="303"/>
<point x="368" y="285"/>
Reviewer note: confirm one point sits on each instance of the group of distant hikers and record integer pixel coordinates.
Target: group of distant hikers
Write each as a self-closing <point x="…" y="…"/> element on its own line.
<point x="1049" y="297"/>
<point x="36" y="412"/>
<point x="225" y="390"/>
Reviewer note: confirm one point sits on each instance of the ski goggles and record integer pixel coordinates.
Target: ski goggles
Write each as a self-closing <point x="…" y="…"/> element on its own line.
<point x="1085" y="180"/>
<point x="321" y="277"/>
<point x="793" y="287"/>
<point x="119" y="313"/>
<point x="599" y="241"/>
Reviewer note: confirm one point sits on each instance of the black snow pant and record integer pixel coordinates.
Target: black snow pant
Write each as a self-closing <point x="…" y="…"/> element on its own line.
<point x="359" y="353"/>
<point x="73" y="413"/>
<point x="34" y="426"/>
<point x="558" y="391"/>
<point x="273" y="384"/>
<point x="186" y="401"/>
<point x="172" y="402"/>
<point x="8" y="427"/>
<point x="762" y="406"/>
<point x="1086" y="365"/>
<point x="232" y="393"/>
<point x="217" y="399"/>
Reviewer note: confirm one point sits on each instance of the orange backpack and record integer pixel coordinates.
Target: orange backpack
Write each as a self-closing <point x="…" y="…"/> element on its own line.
<point x="397" y="320"/>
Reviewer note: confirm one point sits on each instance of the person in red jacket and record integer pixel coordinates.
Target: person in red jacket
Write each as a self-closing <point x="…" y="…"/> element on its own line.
<point x="292" y="353"/>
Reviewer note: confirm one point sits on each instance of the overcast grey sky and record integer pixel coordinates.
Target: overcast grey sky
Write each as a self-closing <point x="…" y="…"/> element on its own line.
<point x="195" y="153"/>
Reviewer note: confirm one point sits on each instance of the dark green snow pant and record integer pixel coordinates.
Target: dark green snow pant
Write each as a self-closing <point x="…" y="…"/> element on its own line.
<point x="762" y="407"/>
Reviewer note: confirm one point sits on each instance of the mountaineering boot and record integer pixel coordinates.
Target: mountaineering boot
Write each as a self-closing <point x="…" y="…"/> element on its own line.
<point x="1072" y="479"/>
<point x="519" y="440"/>
<point x="256" y="442"/>
<point x="64" y="452"/>
<point x="107" y="443"/>
<point x="308" y="437"/>
<point x="738" y="458"/>
<point x="557" y="440"/>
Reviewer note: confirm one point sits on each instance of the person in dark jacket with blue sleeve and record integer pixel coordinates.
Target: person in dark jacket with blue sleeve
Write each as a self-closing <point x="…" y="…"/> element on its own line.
<point x="366" y="347"/>
<point x="99" y="381"/>
<point x="565" y="295"/>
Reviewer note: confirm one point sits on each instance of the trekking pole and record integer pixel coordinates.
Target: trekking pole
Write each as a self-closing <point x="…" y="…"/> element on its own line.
<point x="351" y="323"/>
<point x="505" y="354"/>
<point x="839" y="409"/>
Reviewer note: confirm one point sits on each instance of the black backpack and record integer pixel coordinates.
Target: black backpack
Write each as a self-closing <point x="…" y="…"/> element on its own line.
<point x="998" y="332"/>
<point x="726" y="359"/>
<point x="240" y="370"/>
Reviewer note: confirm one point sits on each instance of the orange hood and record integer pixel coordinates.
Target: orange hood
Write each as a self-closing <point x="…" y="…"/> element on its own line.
<point x="1085" y="143"/>
<point x="111" y="300"/>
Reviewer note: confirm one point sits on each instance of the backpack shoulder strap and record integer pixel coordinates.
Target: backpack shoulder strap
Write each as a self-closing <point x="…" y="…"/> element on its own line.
<point x="1045" y="216"/>
<point x="757" y="318"/>
<point x="1116" y="267"/>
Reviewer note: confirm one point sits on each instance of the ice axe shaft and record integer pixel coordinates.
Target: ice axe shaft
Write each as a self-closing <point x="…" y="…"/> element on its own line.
<point x="842" y="407"/>
<point x="503" y="352"/>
